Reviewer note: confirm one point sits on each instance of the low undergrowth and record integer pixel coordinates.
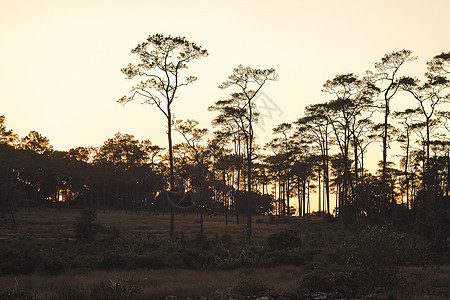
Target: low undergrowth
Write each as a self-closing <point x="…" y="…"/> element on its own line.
<point x="327" y="257"/>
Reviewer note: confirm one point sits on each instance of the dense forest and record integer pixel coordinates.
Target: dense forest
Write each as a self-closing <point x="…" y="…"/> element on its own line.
<point x="323" y="152"/>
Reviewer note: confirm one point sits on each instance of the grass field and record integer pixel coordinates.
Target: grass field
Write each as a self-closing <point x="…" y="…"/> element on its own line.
<point x="58" y="223"/>
<point x="65" y="268"/>
<point x="154" y="284"/>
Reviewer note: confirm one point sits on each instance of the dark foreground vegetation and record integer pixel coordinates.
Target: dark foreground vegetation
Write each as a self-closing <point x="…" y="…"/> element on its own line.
<point x="73" y="254"/>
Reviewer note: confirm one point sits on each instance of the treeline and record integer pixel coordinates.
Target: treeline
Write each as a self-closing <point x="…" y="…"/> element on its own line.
<point x="326" y="149"/>
<point x="323" y="151"/>
<point x="123" y="173"/>
<point x="334" y="137"/>
<point x="118" y="174"/>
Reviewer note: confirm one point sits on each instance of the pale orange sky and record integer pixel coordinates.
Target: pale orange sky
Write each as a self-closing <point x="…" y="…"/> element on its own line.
<point x="60" y="61"/>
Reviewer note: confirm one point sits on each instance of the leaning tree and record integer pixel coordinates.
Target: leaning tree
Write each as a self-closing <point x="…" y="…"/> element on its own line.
<point x="162" y="60"/>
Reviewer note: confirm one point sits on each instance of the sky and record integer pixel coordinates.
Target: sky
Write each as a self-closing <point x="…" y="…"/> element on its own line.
<point x="60" y="61"/>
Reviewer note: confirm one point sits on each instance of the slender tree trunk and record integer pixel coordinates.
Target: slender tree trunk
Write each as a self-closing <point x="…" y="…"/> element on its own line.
<point x="427" y="175"/>
<point x="238" y="189"/>
<point x="327" y="174"/>
<point x="126" y="198"/>
<point x="304" y="196"/>
<point x="385" y="133"/>
<point x="280" y="197"/>
<point x="428" y="145"/>
<point x="287" y="197"/>
<point x="309" y="202"/>
<point x="104" y="197"/>
<point x="202" y="204"/>
<point x="338" y="199"/>
<point x="406" y="168"/>
<point x="320" y="192"/>
<point x="171" y="167"/>
<point x="225" y="204"/>
<point x="6" y="188"/>
<point x="299" y="198"/>
<point x="249" y="179"/>
<point x="446" y="181"/>
<point x="355" y="149"/>
<point x="345" y="181"/>
<point x="201" y="218"/>
<point x="283" y="202"/>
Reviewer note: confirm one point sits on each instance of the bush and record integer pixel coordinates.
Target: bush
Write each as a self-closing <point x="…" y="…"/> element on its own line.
<point x="282" y="257"/>
<point x="225" y="239"/>
<point x="119" y="289"/>
<point x="114" y="232"/>
<point x="85" y="227"/>
<point x="112" y="260"/>
<point x="315" y="282"/>
<point x="16" y="293"/>
<point x="250" y="256"/>
<point x="202" y="241"/>
<point x="19" y="259"/>
<point x="286" y="238"/>
<point x="435" y="226"/>
<point x="52" y="264"/>
<point x="153" y="260"/>
<point x="137" y="243"/>
<point x="251" y="287"/>
<point x="372" y="258"/>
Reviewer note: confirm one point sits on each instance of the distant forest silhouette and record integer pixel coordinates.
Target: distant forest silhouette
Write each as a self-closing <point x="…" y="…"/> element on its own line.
<point x="324" y="151"/>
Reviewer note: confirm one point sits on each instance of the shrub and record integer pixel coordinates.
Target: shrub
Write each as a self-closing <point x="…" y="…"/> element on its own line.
<point x="328" y="218"/>
<point x="22" y="257"/>
<point x="226" y="260"/>
<point x="153" y="260"/>
<point x="251" y="256"/>
<point x="19" y="259"/>
<point x="119" y="289"/>
<point x="85" y="226"/>
<point x="52" y="264"/>
<point x="315" y="282"/>
<point x="114" y="232"/>
<point x="16" y="293"/>
<point x="112" y="260"/>
<point x="202" y="241"/>
<point x="225" y="239"/>
<point x="251" y="287"/>
<point x="372" y="258"/>
<point x="137" y="243"/>
<point x="286" y="238"/>
<point x="180" y="238"/>
<point x="277" y="258"/>
<point x="435" y="226"/>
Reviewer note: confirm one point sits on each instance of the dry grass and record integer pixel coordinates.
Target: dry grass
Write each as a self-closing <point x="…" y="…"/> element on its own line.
<point x="54" y="223"/>
<point x="50" y="224"/>
<point x="58" y="223"/>
<point x="157" y="284"/>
